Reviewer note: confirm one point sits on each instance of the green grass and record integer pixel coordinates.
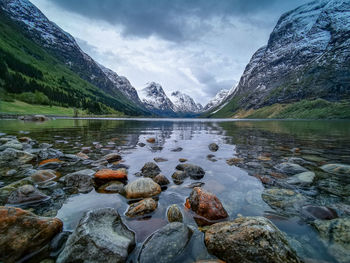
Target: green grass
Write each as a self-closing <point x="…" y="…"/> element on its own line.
<point x="20" y="107"/>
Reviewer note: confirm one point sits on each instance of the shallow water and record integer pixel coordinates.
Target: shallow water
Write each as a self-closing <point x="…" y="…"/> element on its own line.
<point x="318" y="141"/>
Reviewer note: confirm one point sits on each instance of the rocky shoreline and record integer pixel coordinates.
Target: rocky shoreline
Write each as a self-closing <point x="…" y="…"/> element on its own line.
<point x="37" y="179"/>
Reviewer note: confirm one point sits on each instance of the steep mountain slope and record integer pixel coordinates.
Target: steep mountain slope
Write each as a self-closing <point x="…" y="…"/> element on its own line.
<point x="59" y="44"/>
<point x="155" y="99"/>
<point x="184" y="103"/>
<point x="219" y="97"/>
<point x="307" y="57"/>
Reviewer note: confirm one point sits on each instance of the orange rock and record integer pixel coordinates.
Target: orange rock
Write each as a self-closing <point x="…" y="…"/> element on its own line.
<point x="23" y="232"/>
<point x="151" y="140"/>
<point x="108" y="174"/>
<point x="54" y="160"/>
<point x="187" y="204"/>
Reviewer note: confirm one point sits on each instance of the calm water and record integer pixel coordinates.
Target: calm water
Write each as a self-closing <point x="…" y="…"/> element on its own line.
<point x="240" y="192"/>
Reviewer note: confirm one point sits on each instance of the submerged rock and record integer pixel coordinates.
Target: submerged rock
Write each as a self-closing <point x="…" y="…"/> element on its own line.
<point x="207" y="207"/>
<point x="335" y="235"/>
<point x="12" y="158"/>
<point x="23" y="232"/>
<point x="249" y="240"/>
<point x="336" y="168"/>
<point x="284" y="199"/>
<point x="26" y="194"/>
<point x="191" y="170"/>
<point x="174" y="214"/>
<point x="113" y="187"/>
<point x="82" y="180"/>
<point x="165" y="244"/>
<point x="42" y="176"/>
<point x="150" y="169"/>
<point x="160" y="159"/>
<point x="290" y="168"/>
<point x="213" y="147"/>
<point x="318" y="212"/>
<point x="142" y="188"/>
<point x="179" y="177"/>
<point x="100" y="236"/>
<point x="304" y="178"/>
<point x="142" y="207"/>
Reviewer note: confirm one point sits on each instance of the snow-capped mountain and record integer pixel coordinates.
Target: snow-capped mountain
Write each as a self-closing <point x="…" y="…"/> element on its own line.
<point x="122" y="84"/>
<point x="64" y="47"/>
<point x="219" y="97"/>
<point x="184" y="103"/>
<point x="154" y="98"/>
<point x="307" y="56"/>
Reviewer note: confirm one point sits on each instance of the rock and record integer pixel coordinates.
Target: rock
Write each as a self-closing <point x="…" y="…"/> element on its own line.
<point x="151" y="140"/>
<point x="174" y="214"/>
<point x="179" y="177"/>
<point x="25" y="139"/>
<point x="165" y="244"/>
<point x="318" y="212"/>
<point x="213" y="147"/>
<point x="22" y="232"/>
<point x="290" y="168"/>
<point x="141" y="144"/>
<point x="284" y="199"/>
<point x="11" y="172"/>
<point x="82" y="155"/>
<point x="47" y="153"/>
<point x="12" y="144"/>
<point x="53" y="163"/>
<point x="160" y="159"/>
<point x="150" y="169"/>
<point x="86" y="150"/>
<point x="26" y="194"/>
<point x="336" y="168"/>
<point x="39" y="118"/>
<point x="100" y="236"/>
<point x="233" y="161"/>
<point x="42" y="176"/>
<point x="142" y="207"/>
<point x="304" y="178"/>
<point x="8" y="189"/>
<point x="191" y="170"/>
<point x="195" y="184"/>
<point x="161" y="180"/>
<point x="177" y="149"/>
<point x="70" y="158"/>
<point x="207" y="207"/>
<point x="112" y="187"/>
<point x="108" y="174"/>
<point x="335" y="235"/>
<point x="249" y="240"/>
<point x="112" y="157"/>
<point x="182" y="160"/>
<point x="82" y="180"/>
<point x="142" y="188"/>
<point x="12" y="158"/>
<point x="211" y="158"/>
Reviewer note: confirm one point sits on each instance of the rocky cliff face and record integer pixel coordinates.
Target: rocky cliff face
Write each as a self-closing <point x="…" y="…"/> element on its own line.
<point x="307" y="56"/>
<point x="64" y="47"/>
<point x="219" y="97"/>
<point x="154" y="99"/>
<point x="184" y="103"/>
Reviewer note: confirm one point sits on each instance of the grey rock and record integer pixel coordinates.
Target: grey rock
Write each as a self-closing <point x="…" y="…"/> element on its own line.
<point x="13" y="158"/>
<point x="160" y="159"/>
<point x="249" y="240"/>
<point x="284" y="199"/>
<point x="145" y="206"/>
<point x="290" y="168"/>
<point x="8" y="189"/>
<point x="177" y="149"/>
<point x="26" y="194"/>
<point x="150" y="169"/>
<point x="174" y="214"/>
<point x="113" y="187"/>
<point x="191" y="170"/>
<point x="82" y="180"/>
<point x="336" y="168"/>
<point x="213" y="147"/>
<point x="12" y="144"/>
<point x="165" y="244"/>
<point x="179" y="177"/>
<point x="100" y="236"/>
<point x="305" y="178"/>
<point x="50" y="166"/>
<point x="70" y="158"/>
<point x="161" y="180"/>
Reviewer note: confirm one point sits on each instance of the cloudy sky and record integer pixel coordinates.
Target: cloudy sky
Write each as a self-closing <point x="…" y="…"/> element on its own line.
<point x="196" y="46"/>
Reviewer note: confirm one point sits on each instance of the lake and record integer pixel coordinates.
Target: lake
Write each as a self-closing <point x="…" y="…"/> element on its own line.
<point x="239" y="173"/>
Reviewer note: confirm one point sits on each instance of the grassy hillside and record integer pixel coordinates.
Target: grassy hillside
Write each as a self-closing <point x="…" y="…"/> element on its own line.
<point x="305" y="109"/>
<point x="27" y="67"/>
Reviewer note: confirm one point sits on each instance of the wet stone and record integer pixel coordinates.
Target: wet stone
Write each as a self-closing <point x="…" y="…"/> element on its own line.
<point x="160" y="160"/>
<point x="318" y="212"/>
<point x="82" y="180"/>
<point x="179" y="177"/>
<point x="174" y="214"/>
<point x="177" y="149"/>
<point x="142" y="207"/>
<point x="161" y="180"/>
<point x="213" y="147"/>
<point x="336" y="168"/>
<point x="142" y="188"/>
<point x="290" y="168"/>
<point x="113" y="187"/>
<point x="112" y="157"/>
<point x="191" y="170"/>
<point x="150" y="169"/>
<point x="26" y="194"/>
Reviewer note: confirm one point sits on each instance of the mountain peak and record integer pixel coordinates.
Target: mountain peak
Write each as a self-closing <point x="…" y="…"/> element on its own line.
<point x="184" y="103"/>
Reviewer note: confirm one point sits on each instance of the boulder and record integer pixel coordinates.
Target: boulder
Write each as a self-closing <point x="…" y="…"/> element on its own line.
<point x="150" y="169"/>
<point x="82" y="180"/>
<point x="8" y="189"/>
<point x="335" y="235"/>
<point x="213" y="147"/>
<point x="23" y="232"/>
<point x="207" y="207"/>
<point x="12" y="158"/>
<point x="336" y="168"/>
<point x="290" y="168"/>
<point x="174" y="214"/>
<point x="166" y="244"/>
<point x="249" y="240"/>
<point x="161" y="180"/>
<point x="100" y="236"/>
<point x="142" y="188"/>
<point x="191" y="170"/>
<point x="26" y="194"/>
<point x="142" y="207"/>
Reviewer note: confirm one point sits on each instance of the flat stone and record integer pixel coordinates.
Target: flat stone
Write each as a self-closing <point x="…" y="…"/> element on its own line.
<point x="302" y="178"/>
<point x="113" y="187"/>
<point x="42" y="176"/>
<point x="82" y="180"/>
<point x="26" y="194"/>
<point x="142" y="207"/>
<point x="290" y="168"/>
<point x="12" y="158"/>
<point x="109" y="174"/>
<point x="336" y="168"/>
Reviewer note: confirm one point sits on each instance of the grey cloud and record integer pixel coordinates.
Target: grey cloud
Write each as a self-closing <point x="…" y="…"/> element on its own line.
<point x="173" y="20"/>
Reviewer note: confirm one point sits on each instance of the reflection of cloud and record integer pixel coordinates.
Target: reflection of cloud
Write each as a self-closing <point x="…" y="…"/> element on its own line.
<point x="197" y="46"/>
